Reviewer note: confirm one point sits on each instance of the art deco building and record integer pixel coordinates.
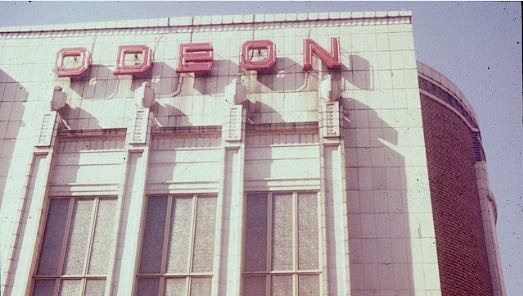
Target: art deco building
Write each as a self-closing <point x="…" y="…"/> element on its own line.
<point x="276" y="154"/>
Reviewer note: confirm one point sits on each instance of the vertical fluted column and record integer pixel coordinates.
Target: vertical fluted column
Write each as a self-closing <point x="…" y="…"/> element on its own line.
<point x="333" y="188"/>
<point x="132" y="196"/>
<point x="233" y="143"/>
<point x="26" y="215"/>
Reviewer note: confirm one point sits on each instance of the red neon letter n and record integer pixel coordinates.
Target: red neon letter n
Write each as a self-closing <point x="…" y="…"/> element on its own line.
<point x="331" y="60"/>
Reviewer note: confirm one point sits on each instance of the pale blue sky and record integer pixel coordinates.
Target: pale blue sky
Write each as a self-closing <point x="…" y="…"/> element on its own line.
<point x="477" y="45"/>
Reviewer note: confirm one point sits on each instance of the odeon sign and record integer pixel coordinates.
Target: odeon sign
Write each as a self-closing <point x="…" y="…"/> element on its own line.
<point x="194" y="58"/>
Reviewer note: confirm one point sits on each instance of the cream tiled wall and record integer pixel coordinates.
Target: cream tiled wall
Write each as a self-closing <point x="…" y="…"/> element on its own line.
<point x="388" y="230"/>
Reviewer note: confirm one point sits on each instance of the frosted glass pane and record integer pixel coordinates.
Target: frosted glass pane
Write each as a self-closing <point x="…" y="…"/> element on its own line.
<point x="43" y="288"/>
<point x="70" y="288"/>
<point x="254" y="286"/>
<point x="200" y="286"/>
<point x="175" y="287"/>
<point x="308" y="232"/>
<point x="204" y="235"/>
<point x="281" y="285"/>
<point x="147" y="287"/>
<point x="152" y="244"/>
<point x="53" y="237"/>
<point x="78" y="236"/>
<point x="308" y="285"/>
<point x="95" y="287"/>
<point x="281" y="232"/>
<point x="180" y="236"/>
<point x="103" y="236"/>
<point x="256" y="233"/>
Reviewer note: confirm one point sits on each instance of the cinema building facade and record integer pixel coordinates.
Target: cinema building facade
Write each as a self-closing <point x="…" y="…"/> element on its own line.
<point x="297" y="154"/>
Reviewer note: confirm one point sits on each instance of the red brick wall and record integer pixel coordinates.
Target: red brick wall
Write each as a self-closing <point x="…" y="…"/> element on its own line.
<point x="462" y="255"/>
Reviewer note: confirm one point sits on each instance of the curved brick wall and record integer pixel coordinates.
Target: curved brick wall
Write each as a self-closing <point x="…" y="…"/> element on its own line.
<point x="462" y="255"/>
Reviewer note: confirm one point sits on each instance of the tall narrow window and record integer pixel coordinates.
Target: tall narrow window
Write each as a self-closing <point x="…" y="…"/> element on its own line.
<point x="281" y="250"/>
<point x="178" y="246"/>
<point x="76" y="247"/>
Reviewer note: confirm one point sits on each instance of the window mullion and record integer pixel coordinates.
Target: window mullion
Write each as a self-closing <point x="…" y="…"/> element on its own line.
<point x="64" y="246"/>
<point x="191" y="244"/>
<point x="166" y="238"/>
<point x="268" y="278"/>
<point x="294" y="271"/>
<point x="89" y="244"/>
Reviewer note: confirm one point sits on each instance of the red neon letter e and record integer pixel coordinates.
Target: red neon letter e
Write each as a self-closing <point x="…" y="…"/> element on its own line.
<point x="331" y="60"/>
<point x="195" y="58"/>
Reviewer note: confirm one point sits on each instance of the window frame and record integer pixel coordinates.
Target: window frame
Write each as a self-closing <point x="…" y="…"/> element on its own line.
<point x="163" y="275"/>
<point x="295" y="272"/>
<point x="59" y="276"/>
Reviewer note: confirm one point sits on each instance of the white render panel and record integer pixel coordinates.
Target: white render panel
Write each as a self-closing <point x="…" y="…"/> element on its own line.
<point x="280" y="166"/>
<point x="281" y="169"/>
<point x="87" y="168"/>
<point x="202" y="165"/>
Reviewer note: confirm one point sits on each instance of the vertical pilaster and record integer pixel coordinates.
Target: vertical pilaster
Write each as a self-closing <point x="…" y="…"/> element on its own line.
<point x="132" y="198"/>
<point x="27" y="230"/>
<point x="233" y="143"/>
<point x="333" y="189"/>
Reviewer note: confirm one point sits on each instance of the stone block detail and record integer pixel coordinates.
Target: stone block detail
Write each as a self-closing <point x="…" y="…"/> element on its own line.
<point x="47" y="129"/>
<point x="138" y="134"/>
<point x="233" y="125"/>
<point x="331" y="119"/>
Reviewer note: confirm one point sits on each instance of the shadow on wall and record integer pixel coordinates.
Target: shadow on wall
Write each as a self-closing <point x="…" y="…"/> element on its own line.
<point x="359" y="73"/>
<point x="289" y="76"/>
<point x="78" y="118"/>
<point x="379" y="234"/>
<point x="12" y="107"/>
<point x="185" y="99"/>
<point x="103" y="84"/>
<point x="169" y="116"/>
<point x="166" y="81"/>
<point x="100" y="84"/>
<point x="259" y="112"/>
<point x="222" y="73"/>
